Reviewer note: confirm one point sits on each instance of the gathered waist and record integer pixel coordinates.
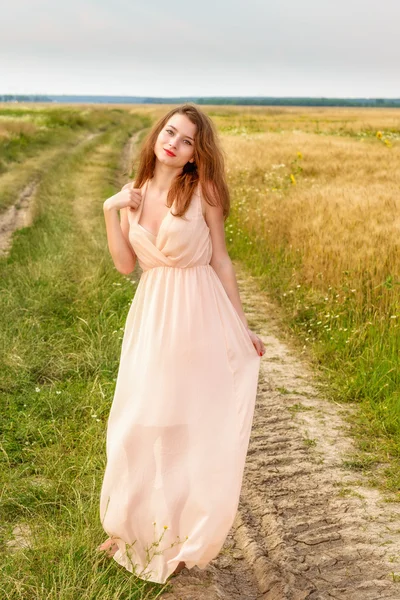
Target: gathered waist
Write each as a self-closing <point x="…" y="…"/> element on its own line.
<point x="207" y="266"/>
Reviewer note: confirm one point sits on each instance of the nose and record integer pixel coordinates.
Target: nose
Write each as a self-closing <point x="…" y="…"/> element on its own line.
<point x="172" y="142"/>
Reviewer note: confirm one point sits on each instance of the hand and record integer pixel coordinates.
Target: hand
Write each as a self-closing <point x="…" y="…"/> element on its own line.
<point x="257" y="342"/>
<point x="128" y="197"/>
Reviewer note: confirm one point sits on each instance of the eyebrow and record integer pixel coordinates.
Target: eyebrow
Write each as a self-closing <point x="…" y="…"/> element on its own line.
<point x="188" y="136"/>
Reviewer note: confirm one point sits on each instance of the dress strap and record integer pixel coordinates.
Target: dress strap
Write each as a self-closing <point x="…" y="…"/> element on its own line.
<point x="198" y="200"/>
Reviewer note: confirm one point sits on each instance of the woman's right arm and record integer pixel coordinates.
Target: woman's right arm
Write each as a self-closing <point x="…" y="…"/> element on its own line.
<point x="121" y="251"/>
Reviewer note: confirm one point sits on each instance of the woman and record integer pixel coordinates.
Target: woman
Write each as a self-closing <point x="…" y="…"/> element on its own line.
<point x="180" y="421"/>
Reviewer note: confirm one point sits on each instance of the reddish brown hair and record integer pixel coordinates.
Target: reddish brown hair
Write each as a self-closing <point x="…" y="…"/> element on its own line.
<point x="208" y="168"/>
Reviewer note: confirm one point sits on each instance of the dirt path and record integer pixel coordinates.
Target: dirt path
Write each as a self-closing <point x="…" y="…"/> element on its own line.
<point x="128" y="155"/>
<point x="305" y="529"/>
<point x="84" y="210"/>
<point x="17" y="216"/>
<point x="21" y="213"/>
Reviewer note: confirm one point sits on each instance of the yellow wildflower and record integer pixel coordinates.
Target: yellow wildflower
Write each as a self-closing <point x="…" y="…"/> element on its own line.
<point x="379" y="134"/>
<point x="299" y="154"/>
<point x="387" y="143"/>
<point x="292" y="178"/>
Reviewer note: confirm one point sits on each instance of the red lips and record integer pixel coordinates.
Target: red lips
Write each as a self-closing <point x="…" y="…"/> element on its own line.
<point x="169" y="152"/>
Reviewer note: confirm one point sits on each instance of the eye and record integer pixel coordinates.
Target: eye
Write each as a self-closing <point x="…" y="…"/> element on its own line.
<point x="170" y="131"/>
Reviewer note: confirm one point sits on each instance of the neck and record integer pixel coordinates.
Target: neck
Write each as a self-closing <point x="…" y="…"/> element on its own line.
<point x="163" y="177"/>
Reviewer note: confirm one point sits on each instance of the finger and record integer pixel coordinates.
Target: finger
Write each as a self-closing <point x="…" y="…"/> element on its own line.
<point x="260" y="347"/>
<point x="135" y="198"/>
<point x="135" y="191"/>
<point x="257" y="347"/>
<point x="135" y="202"/>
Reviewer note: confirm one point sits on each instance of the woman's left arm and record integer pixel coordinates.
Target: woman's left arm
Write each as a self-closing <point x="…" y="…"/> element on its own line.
<point x="222" y="265"/>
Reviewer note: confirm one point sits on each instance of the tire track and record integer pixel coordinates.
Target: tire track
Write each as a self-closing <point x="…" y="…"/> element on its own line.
<point x="22" y="212"/>
<point x="128" y="155"/>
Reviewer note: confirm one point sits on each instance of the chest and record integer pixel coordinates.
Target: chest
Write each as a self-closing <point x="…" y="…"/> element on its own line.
<point x="154" y="210"/>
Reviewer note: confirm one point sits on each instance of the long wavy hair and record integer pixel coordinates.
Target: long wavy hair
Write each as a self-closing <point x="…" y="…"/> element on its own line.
<point x="208" y="168"/>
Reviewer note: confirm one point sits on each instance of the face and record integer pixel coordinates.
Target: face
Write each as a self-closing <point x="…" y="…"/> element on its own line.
<point x="177" y="136"/>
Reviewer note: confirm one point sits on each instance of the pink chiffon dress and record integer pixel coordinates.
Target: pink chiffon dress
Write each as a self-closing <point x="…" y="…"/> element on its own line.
<point x="179" y="425"/>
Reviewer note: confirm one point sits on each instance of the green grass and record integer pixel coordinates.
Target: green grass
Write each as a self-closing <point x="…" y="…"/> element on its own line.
<point x="62" y="310"/>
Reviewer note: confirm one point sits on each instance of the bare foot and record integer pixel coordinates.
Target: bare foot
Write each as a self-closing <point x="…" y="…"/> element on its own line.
<point x="110" y="546"/>
<point x="179" y="568"/>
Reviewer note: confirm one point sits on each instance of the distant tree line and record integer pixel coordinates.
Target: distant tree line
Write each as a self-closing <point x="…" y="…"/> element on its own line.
<point x="223" y="100"/>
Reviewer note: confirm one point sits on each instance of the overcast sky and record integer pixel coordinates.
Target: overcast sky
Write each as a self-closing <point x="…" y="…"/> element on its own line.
<point x="333" y="48"/>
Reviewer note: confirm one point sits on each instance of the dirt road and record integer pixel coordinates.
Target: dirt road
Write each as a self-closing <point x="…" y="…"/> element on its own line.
<point x="21" y="213"/>
<point x="307" y="527"/>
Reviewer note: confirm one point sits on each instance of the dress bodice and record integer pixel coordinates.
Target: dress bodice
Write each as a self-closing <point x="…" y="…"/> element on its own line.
<point x="181" y="242"/>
